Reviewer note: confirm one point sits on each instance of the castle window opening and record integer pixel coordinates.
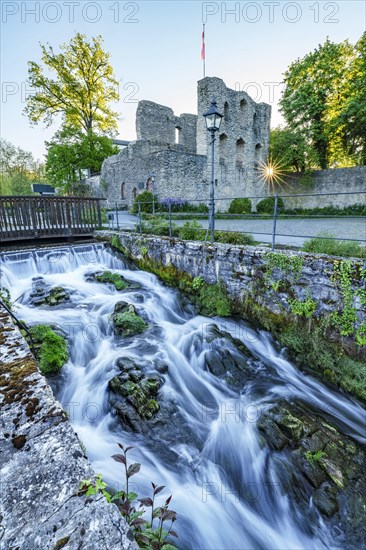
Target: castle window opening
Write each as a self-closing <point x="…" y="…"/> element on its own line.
<point x="243" y="106"/>
<point x="226" y="112"/>
<point x="123" y="191"/>
<point x="240" y="152"/>
<point x="178" y="135"/>
<point x="258" y="152"/>
<point x="134" y="193"/>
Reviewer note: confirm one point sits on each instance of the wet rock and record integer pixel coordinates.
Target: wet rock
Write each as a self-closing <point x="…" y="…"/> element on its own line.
<point x="126" y="321"/>
<point x="274" y="436"/>
<point x="43" y="295"/>
<point x="326" y="501"/>
<point x="115" y="279"/>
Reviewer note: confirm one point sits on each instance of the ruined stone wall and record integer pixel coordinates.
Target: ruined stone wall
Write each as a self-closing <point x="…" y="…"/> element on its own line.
<point x="42" y="464"/>
<point x="243" y="140"/>
<point x="338" y="180"/>
<point x="179" y="174"/>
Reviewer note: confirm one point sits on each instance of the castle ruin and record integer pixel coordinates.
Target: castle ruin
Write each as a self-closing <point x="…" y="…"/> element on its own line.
<point x="177" y="150"/>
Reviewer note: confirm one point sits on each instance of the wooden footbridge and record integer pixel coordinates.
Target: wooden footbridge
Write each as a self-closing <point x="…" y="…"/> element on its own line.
<point x="34" y="217"/>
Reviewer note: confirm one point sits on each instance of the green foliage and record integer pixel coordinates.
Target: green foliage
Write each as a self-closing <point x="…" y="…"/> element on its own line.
<point x="346" y="318"/>
<point x="112" y="278"/>
<point x="94" y="487"/>
<point x="147" y="535"/>
<point x="352" y="210"/>
<point x="315" y="457"/>
<point x="240" y="206"/>
<point x="18" y="170"/>
<point x="51" y="349"/>
<point x="70" y="153"/>
<point x="158" y="226"/>
<point x="197" y="283"/>
<point x="192" y="231"/>
<point x="266" y="206"/>
<point x="324" y="99"/>
<point x="129" y="323"/>
<point x="326" y="243"/>
<point x="143" y="251"/>
<point x="77" y="83"/>
<point x="214" y="300"/>
<point x="289" y="149"/>
<point x="290" y="266"/>
<point x="304" y="309"/>
<point x="234" y="237"/>
<point x="146" y="202"/>
<point x="6" y="298"/>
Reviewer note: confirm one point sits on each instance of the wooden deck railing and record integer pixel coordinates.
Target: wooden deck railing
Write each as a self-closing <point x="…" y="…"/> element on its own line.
<point x="31" y="217"/>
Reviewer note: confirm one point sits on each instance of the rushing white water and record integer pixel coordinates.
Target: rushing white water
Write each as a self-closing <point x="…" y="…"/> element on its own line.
<point x="225" y="481"/>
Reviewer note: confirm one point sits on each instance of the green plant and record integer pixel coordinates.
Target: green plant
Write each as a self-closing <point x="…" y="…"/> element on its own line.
<point x="197" y="283"/>
<point x="346" y="318"/>
<point x="326" y="243"/>
<point x="214" y="300"/>
<point x="51" y="348"/>
<point x="315" y="457"/>
<point x="233" y="237"/>
<point x="192" y="231"/>
<point x="143" y="251"/>
<point x="240" y="206"/>
<point x="93" y="487"/>
<point x="304" y="309"/>
<point x="290" y="266"/>
<point x="146" y="202"/>
<point x="5" y="297"/>
<point x="146" y="535"/>
<point x="266" y="206"/>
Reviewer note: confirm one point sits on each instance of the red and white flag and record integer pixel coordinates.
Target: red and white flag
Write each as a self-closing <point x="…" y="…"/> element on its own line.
<point x="203" y="51"/>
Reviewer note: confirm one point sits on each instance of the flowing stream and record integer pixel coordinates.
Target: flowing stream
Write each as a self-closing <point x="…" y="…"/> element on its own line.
<point x="225" y="481"/>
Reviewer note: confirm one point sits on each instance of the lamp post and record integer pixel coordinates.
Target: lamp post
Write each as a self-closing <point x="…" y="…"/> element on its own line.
<point x="213" y="122"/>
<point x="152" y="177"/>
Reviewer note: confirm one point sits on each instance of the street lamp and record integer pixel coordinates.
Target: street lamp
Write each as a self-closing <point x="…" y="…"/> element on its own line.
<point x="213" y="122"/>
<point x="152" y="178"/>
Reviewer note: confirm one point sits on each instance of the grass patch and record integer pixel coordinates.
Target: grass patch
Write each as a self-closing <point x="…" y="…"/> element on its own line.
<point x="51" y="349"/>
<point x="326" y="244"/>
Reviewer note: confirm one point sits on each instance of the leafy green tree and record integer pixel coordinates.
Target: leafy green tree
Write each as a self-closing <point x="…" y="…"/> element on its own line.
<point x="18" y="170"/>
<point x="291" y="151"/>
<point x="70" y="154"/>
<point x="81" y="87"/>
<point x="311" y="86"/>
<point x="352" y="117"/>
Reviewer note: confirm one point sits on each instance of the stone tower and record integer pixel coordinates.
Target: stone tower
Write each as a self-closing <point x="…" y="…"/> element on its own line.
<point x="242" y="143"/>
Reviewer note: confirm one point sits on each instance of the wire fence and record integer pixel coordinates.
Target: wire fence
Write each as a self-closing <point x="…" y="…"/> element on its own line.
<point x="279" y="220"/>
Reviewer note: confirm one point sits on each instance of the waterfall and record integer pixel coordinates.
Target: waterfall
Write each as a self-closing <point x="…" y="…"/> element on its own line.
<point x="226" y="482"/>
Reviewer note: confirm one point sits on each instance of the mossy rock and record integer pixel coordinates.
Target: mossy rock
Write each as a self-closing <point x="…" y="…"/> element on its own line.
<point x="126" y="321"/>
<point x="42" y="296"/>
<point x="115" y="279"/>
<point x="50" y="348"/>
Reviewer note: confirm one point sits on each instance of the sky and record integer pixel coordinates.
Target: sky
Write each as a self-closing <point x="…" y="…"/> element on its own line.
<point x="155" y="49"/>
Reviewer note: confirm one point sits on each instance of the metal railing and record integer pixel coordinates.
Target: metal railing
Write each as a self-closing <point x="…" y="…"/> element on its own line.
<point x="273" y="226"/>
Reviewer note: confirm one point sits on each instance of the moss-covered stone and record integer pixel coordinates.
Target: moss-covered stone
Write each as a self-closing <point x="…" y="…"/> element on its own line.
<point x="50" y="348"/>
<point x="43" y="296"/>
<point x="115" y="279"/>
<point x="126" y="320"/>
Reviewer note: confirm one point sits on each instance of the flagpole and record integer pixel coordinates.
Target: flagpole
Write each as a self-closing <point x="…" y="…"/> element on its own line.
<point x="204" y="50"/>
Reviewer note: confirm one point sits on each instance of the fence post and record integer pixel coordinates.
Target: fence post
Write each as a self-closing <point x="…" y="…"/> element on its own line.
<point x="117" y="217"/>
<point x="274" y="222"/>
<point x="140" y="219"/>
<point x="99" y="214"/>
<point x="170" y="220"/>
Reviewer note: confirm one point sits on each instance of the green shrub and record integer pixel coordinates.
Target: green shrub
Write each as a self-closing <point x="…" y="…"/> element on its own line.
<point x="266" y="206"/>
<point x="146" y="199"/>
<point x="240" y="206"/>
<point x="192" y="231"/>
<point x="5" y="297"/>
<point x="233" y="237"/>
<point x="326" y="244"/>
<point x="51" y="349"/>
<point x="158" y="226"/>
<point x="352" y="210"/>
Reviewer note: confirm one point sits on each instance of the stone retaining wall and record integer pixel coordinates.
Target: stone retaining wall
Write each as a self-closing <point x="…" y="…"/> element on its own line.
<point x="42" y="464"/>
